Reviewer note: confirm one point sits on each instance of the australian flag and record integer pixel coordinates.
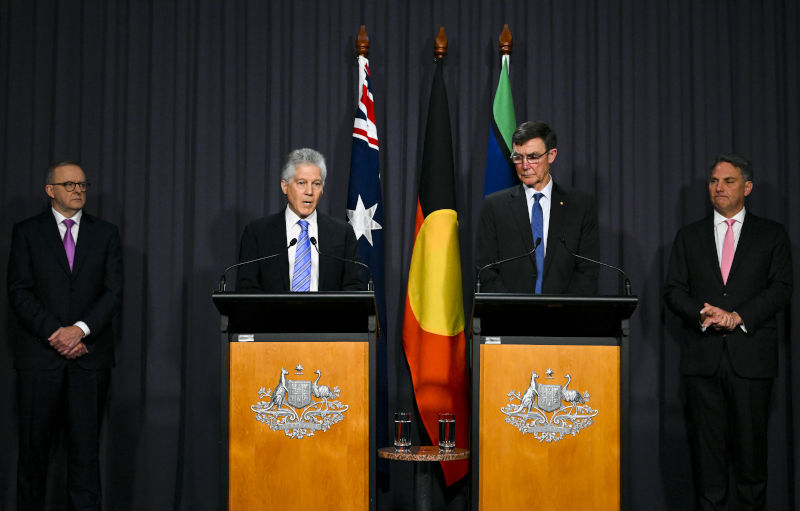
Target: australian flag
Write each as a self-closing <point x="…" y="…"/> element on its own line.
<point x="365" y="214"/>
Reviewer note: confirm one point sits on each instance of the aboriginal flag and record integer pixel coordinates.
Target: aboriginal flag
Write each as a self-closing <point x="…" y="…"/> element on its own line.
<point x="433" y="324"/>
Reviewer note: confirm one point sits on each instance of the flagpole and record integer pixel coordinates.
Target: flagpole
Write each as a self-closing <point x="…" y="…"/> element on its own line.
<point x="365" y="213"/>
<point x="500" y="172"/>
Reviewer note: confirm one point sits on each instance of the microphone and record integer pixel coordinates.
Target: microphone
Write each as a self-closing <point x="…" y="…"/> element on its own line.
<point x="503" y="261"/>
<point x="370" y="284"/>
<point x="627" y="280"/>
<point x="222" y="281"/>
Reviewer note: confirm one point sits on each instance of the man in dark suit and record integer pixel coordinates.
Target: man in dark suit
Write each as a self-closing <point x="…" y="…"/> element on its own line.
<point x="64" y="288"/>
<point x="308" y="246"/>
<point x="565" y="220"/>
<point x="729" y="275"/>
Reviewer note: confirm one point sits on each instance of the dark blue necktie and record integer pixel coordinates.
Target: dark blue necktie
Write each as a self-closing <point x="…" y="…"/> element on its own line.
<point x="301" y="278"/>
<point x="537" y="228"/>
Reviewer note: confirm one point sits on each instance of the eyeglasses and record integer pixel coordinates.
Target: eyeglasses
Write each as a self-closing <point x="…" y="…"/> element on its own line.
<point x="70" y="185"/>
<point x="530" y="158"/>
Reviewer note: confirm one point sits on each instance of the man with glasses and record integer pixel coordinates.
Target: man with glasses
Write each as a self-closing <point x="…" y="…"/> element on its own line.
<point x="64" y="289"/>
<point x="512" y="220"/>
<point x="303" y="249"/>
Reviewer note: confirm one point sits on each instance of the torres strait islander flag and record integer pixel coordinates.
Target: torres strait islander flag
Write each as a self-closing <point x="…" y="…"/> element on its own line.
<point x="500" y="171"/>
<point x="433" y="324"/>
<point x="365" y="214"/>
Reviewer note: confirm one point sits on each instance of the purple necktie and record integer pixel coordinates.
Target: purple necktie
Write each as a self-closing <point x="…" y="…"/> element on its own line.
<point x="69" y="242"/>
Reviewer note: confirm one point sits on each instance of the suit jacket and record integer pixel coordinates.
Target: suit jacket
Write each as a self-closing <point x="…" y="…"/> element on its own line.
<point x="504" y="230"/>
<point x="759" y="286"/>
<point x="267" y="236"/>
<point x="45" y="295"/>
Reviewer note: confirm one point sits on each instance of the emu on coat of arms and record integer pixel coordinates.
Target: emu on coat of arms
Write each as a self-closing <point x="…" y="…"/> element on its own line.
<point x="549" y="411"/>
<point x="299" y="408"/>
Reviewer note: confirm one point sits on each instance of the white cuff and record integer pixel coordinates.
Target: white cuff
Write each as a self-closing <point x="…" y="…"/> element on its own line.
<point x="83" y="326"/>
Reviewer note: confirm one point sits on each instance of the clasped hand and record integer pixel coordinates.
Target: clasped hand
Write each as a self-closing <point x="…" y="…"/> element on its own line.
<point x="719" y="319"/>
<point x="67" y="341"/>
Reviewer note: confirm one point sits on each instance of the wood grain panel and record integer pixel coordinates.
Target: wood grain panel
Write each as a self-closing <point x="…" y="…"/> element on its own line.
<point x="578" y="472"/>
<point x="269" y="470"/>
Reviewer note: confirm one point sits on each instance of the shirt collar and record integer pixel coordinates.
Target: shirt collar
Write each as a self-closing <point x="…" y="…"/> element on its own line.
<point x="547" y="191"/>
<point x="60" y="218"/>
<point x="292" y="218"/>
<point x="739" y="217"/>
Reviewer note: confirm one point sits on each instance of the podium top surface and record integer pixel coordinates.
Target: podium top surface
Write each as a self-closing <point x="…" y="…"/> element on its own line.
<point x="296" y="312"/>
<point x="228" y="301"/>
<point x="552" y="315"/>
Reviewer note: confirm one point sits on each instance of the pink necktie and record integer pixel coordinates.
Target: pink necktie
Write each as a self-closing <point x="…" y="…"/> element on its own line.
<point x="69" y="242"/>
<point x="727" y="251"/>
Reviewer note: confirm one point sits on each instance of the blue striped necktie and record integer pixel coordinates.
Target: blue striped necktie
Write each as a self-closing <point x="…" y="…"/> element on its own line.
<point x="537" y="228"/>
<point x="301" y="278"/>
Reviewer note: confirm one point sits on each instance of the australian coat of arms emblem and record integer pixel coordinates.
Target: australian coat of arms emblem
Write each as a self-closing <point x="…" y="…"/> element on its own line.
<point x="549" y="411"/>
<point x="299" y="408"/>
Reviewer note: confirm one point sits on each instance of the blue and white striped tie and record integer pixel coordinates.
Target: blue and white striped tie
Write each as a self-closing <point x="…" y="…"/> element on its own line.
<point x="301" y="278"/>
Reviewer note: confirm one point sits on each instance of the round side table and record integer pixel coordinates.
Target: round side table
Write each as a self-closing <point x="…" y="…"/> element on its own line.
<point x="423" y="456"/>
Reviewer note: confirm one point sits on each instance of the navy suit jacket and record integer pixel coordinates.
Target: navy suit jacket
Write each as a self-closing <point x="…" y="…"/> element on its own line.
<point x="759" y="286"/>
<point x="267" y="236"/>
<point x="45" y="295"/>
<point x="504" y="230"/>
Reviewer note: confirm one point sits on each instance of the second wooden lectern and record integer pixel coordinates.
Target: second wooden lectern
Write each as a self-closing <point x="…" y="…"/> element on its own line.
<point x="549" y="399"/>
<point x="298" y="400"/>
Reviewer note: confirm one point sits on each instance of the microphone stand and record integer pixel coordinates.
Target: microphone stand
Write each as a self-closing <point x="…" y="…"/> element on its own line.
<point x="601" y="263"/>
<point x="502" y="261"/>
<point x="222" y="280"/>
<point x="370" y="284"/>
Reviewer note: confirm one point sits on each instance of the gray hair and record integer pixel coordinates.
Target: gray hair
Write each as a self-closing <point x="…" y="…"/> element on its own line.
<point x="303" y="156"/>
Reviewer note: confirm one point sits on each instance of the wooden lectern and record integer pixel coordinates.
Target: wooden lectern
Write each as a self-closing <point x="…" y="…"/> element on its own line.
<point x="298" y="400"/>
<point x="550" y="393"/>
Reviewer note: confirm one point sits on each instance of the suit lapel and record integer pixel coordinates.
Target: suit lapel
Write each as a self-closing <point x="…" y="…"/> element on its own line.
<point x="708" y="249"/>
<point x="324" y="262"/>
<point x="518" y="205"/>
<point x="86" y="235"/>
<point x="747" y="240"/>
<point x="558" y="210"/>
<point x="53" y="239"/>
<point x="278" y="232"/>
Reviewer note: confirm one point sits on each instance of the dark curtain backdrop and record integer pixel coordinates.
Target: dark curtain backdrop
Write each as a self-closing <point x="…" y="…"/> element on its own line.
<point x="182" y="111"/>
